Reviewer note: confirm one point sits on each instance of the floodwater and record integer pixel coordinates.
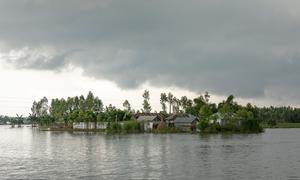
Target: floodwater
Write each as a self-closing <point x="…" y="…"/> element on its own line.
<point x="27" y="153"/>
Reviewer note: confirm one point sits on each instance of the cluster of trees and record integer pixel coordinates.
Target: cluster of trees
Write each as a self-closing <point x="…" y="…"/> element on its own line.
<point x="273" y="115"/>
<point x="235" y="116"/>
<point x="5" y="119"/>
<point x="91" y="109"/>
<point x="76" y="109"/>
<point x="203" y="108"/>
<point x="12" y="120"/>
<point x="175" y="104"/>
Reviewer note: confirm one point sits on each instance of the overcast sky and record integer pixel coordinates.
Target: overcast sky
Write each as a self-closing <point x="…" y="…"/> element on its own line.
<point x="117" y="48"/>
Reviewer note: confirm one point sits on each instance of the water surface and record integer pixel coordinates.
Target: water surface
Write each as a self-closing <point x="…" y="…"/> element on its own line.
<point x="26" y="153"/>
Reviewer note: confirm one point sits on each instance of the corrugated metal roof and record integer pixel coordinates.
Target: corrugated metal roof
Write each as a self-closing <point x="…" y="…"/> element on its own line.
<point x="185" y="119"/>
<point x="172" y="117"/>
<point x="146" y="118"/>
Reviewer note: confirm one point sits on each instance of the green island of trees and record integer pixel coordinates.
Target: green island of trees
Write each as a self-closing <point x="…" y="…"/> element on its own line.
<point x="226" y="116"/>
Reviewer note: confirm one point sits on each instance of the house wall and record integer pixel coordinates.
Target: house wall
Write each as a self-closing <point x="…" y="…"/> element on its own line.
<point x="91" y="125"/>
<point x="148" y="125"/>
<point x="178" y="125"/>
<point x="79" y="125"/>
<point x="102" y="125"/>
<point x="219" y="121"/>
<point x="185" y="126"/>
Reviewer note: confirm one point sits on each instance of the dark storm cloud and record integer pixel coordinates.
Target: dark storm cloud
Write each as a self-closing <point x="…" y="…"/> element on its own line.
<point x="248" y="48"/>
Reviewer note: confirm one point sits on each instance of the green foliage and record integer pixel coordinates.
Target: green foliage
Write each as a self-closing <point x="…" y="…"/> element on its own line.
<point x="46" y="120"/>
<point x="127" y="105"/>
<point x="114" y="127"/>
<point x="90" y="109"/>
<point x="131" y="127"/>
<point x="283" y="125"/>
<point x="163" y="100"/>
<point x="163" y="128"/>
<point x="87" y="116"/>
<point x="112" y="114"/>
<point x="176" y="105"/>
<point x="272" y="122"/>
<point x="251" y="125"/>
<point x="202" y="125"/>
<point x="14" y="120"/>
<point x="197" y="104"/>
<point x="213" y="128"/>
<point x="231" y="127"/>
<point x="205" y="112"/>
<point x="75" y="109"/>
<point x="242" y="120"/>
<point x="186" y="103"/>
<point x="146" y="104"/>
<point x="74" y="116"/>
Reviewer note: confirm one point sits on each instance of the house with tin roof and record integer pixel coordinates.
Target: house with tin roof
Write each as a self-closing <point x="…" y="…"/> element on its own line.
<point x="149" y="121"/>
<point x="183" y="122"/>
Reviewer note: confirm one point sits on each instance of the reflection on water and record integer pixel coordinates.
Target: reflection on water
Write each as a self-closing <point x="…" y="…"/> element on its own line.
<point x="27" y="153"/>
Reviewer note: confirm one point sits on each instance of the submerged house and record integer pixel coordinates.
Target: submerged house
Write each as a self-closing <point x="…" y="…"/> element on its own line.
<point x="149" y="121"/>
<point x="184" y="122"/>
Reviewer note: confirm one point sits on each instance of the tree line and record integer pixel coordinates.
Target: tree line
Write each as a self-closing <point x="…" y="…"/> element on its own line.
<point x="90" y="108"/>
<point x="75" y="109"/>
<point x="13" y="120"/>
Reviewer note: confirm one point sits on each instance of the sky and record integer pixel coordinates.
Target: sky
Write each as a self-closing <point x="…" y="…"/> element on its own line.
<point x="118" y="48"/>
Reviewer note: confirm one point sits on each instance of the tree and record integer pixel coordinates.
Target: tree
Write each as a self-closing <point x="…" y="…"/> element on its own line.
<point x="185" y="103"/>
<point x="74" y="116"/>
<point x="89" y="101"/>
<point x="244" y="114"/>
<point x="98" y="105"/>
<point x="82" y="104"/>
<point x="42" y="107"/>
<point x="126" y="105"/>
<point x="196" y="105"/>
<point x="39" y="110"/>
<point x="146" y="104"/>
<point x="230" y="99"/>
<point x="76" y="102"/>
<point x="170" y="101"/>
<point x="70" y="105"/>
<point x="176" y="105"/>
<point x="206" y="97"/>
<point x="34" y="109"/>
<point x="228" y="106"/>
<point x="204" y="112"/>
<point x="163" y="100"/>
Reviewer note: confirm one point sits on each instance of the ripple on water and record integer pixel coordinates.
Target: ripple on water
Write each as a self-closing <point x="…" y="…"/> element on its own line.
<point x="30" y="154"/>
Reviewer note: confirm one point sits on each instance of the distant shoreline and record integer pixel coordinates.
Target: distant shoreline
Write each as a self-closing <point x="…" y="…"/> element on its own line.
<point x="282" y="125"/>
<point x="265" y="126"/>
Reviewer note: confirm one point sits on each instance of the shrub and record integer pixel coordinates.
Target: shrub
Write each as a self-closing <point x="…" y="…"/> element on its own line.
<point x="163" y="128"/>
<point x="166" y="130"/>
<point x="251" y="126"/>
<point x="202" y="125"/>
<point x="114" y="127"/>
<point x="272" y="122"/>
<point x="131" y="127"/>
<point x="230" y="127"/>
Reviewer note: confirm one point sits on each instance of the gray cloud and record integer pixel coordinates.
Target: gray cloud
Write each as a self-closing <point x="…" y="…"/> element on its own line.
<point x="249" y="48"/>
